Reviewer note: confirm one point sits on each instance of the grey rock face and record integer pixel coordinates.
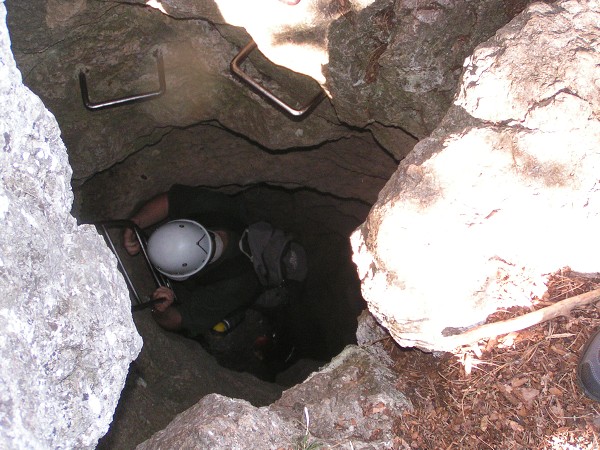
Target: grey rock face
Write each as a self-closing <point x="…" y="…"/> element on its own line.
<point x="371" y="335"/>
<point x="220" y="422"/>
<point x="350" y="403"/>
<point x="172" y="374"/>
<point x="352" y="169"/>
<point x="503" y="194"/>
<point x="390" y="68"/>
<point x="397" y="63"/>
<point x="66" y="333"/>
<point x="114" y="43"/>
<point x="351" y="400"/>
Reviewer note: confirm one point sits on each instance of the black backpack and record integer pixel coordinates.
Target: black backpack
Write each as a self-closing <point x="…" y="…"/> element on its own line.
<point x="279" y="261"/>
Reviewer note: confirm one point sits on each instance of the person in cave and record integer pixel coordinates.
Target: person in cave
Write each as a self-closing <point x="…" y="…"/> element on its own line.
<point x="198" y="249"/>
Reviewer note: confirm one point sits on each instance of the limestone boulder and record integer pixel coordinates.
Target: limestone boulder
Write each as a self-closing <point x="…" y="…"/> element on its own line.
<point x="66" y="334"/>
<point x="350" y="403"/>
<point x="394" y="65"/>
<point x="221" y="422"/>
<point x="503" y="194"/>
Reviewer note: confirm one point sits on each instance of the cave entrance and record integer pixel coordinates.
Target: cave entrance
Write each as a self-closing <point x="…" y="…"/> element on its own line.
<point x="316" y="178"/>
<point x="173" y="372"/>
<point x="315" y="328"/>
<point x="320" y="194"/>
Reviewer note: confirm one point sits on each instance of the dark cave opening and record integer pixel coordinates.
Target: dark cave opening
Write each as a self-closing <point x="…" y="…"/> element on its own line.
<point x="317" y="326"/>
<point x="321" y="195"/>
<point x="317" y="179"/>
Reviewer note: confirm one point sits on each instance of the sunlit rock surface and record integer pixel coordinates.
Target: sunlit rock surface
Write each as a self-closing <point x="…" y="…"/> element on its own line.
<point x="66" y="334"/>
<point x="504" y="193"/>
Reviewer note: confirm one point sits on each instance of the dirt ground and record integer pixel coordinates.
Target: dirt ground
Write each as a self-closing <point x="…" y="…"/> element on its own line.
<point x="521" y="392"/>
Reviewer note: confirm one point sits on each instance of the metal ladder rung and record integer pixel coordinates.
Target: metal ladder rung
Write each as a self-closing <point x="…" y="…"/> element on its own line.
<point x="237" y="70"/>
<point x="94" y="106"/>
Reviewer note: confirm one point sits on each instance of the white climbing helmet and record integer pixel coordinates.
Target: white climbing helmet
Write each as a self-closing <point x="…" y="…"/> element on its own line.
<point x="180" y="248"/>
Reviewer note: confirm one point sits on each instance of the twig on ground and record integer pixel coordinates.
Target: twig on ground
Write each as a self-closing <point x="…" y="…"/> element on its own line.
<point x="492" y="330"/>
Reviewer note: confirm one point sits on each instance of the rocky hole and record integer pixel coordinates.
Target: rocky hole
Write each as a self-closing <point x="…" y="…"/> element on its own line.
<point x="436" y="229"/>
<point x="314" y="177"/>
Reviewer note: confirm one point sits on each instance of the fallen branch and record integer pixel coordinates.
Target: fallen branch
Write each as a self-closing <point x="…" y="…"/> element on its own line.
<point x="491" y="330"/>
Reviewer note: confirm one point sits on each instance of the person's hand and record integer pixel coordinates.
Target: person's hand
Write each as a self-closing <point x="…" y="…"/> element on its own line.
<point x="130" y="242"/>
<point x="166" y="295"/>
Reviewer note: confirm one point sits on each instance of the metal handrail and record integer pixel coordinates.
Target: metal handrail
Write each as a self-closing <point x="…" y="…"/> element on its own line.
<point x="159" y="278"/>
<point x="237" y="70"/>
<point x="94" y="106"/>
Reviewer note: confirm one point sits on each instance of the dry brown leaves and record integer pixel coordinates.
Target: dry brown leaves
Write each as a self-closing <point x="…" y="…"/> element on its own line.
<point x="516" y="392"/>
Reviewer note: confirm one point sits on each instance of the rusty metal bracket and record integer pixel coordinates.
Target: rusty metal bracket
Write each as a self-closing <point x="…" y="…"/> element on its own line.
<point x="94" y="106"/>
<point x="237" y="70"/>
